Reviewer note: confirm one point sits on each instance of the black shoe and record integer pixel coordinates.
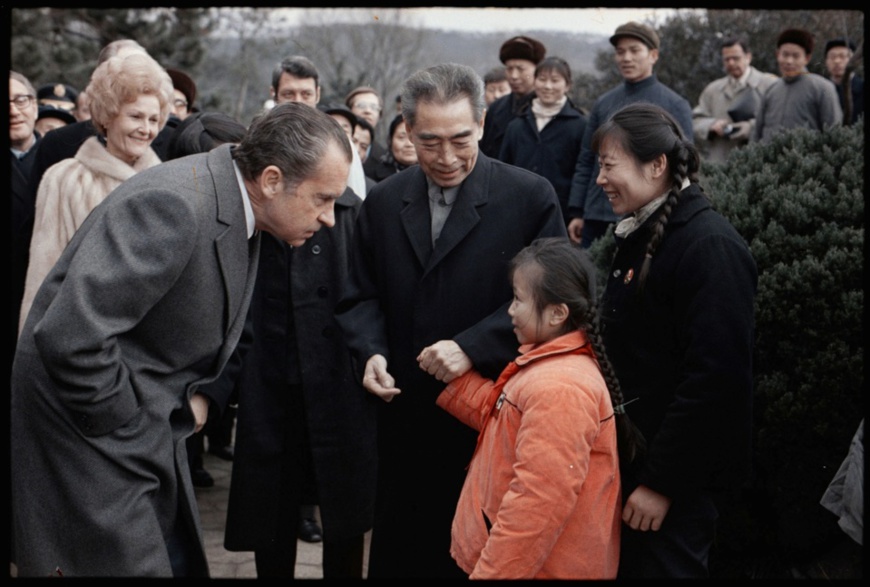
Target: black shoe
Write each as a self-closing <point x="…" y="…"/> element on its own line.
<point x="222" y="452"/>
<point x="201" y="478"/>
<point x="309" y="531"/>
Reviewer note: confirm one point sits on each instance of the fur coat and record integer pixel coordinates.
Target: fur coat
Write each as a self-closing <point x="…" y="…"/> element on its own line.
<point x="67" y="193"/>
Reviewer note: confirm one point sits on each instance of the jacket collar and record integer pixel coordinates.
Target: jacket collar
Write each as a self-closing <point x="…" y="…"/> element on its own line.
<point x="574" y="342"/>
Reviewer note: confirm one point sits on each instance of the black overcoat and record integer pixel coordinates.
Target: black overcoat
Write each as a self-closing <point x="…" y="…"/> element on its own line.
<point x="339" y="414"/>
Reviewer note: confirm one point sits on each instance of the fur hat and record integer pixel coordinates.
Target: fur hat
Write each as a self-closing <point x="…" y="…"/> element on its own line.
<point x="798" y="37"/>
<point x="184" y="84"/>
<point x="644" y="33"/>
<point x="839" y="43"/>
<point x="522" y="48"/>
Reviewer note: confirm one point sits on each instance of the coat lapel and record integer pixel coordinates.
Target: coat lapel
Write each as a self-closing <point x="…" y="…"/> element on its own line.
<point x="416" y="219"/>
<point x="473" y="193"/>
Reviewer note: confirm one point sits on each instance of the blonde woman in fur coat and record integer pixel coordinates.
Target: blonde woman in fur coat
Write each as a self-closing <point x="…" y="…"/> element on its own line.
<point x="130" y="101"/>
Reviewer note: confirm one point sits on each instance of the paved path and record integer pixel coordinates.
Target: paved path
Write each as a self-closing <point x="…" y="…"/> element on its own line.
<point x="222" y="563"/>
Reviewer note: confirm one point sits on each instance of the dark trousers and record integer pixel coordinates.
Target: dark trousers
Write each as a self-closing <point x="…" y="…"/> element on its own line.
<point x="680" y="549"/>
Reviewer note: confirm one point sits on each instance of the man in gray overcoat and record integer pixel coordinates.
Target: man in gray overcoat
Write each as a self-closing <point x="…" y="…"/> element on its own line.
<point x="145" y="305"/>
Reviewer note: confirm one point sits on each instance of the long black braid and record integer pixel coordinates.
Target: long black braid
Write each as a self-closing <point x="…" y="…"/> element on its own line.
<point x="567" y="276"/>
<point x="647" y="131"/>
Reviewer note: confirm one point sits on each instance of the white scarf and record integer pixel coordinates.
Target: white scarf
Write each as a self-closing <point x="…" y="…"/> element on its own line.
<point x="544" y="114"/>
<point x="632" y="221"/>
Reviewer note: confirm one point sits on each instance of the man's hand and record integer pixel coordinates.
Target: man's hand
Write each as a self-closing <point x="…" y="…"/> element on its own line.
<point x="199" y="405"/>
<point x="378" y="381"/>
<point x="575" y="229"/>
<point x="718" y="126"/>
<point x="445" y="360"/>
<point x="741" y="130"/>
<point x="645" y="509"/>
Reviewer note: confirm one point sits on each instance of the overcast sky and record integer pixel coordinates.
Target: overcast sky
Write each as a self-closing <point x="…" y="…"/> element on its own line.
<point x="601" y="21"/>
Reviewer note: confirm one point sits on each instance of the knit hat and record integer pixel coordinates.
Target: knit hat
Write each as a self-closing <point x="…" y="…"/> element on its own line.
<point x="184" y="84"/>
<point x="839" y="43"/>
<point x="644" y="33"/>
<point x="522" y="48"/>
<point x="798" y="37"/>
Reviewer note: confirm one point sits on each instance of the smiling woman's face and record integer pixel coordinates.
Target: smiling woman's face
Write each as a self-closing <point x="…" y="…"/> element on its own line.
<point x="131" y="132"/>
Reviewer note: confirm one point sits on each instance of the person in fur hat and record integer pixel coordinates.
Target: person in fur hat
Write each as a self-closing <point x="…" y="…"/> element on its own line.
<point x="799" y="99"/>
<point x="520" y="56"/>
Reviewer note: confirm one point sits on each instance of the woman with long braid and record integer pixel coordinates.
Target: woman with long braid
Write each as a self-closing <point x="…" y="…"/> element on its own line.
<point x="542" y="494"/>
<point x="678" y="321"/>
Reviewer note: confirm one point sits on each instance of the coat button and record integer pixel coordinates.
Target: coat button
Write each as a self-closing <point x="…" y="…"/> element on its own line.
<point x="322" y="291"/>
<point x="316" y="249"/>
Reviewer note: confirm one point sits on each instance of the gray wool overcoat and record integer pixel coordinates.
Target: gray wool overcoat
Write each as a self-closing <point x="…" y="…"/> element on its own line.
<point x="145" y="304"/>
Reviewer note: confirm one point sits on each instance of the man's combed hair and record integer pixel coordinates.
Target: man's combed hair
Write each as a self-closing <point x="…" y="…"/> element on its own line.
<point x="443" y="84"/>
<point x="292" y="136"/>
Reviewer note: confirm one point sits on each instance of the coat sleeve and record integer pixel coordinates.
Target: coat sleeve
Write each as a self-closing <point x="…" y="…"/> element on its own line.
<point x="466" y="398"/>
<point x="584" y="169"/>
<point x="491" y="342"/>
<point x="704" y="437"/>
<point x="52" y="229"/>
<point x="78" y="335"/>
<point x="358" y="311"/>
<point x="558" y="427"/>
<point x="703" y="116"/>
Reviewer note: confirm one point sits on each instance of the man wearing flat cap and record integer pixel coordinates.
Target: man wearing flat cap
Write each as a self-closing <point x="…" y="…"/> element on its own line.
<point x="799" y="99"/>
<point x="637" y="51"/>
<point x="520" y="56"/>
<point x="841" y="71"/>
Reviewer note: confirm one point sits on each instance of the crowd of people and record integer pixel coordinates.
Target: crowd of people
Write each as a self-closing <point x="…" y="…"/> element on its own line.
<point x="403" y="333"/>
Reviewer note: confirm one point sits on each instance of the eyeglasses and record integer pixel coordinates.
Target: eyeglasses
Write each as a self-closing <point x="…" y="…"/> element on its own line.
<point x="368" y="106"/>
<point x="22" y="101"/>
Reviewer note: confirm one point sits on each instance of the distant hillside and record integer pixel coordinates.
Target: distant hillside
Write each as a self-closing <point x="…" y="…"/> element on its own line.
<point x="480" y="51"/>
<point x="236" y="75"/>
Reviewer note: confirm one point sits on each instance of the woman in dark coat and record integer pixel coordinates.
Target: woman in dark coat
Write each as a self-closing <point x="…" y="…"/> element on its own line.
<point x="547" y="138"/>
<point x="400" y="152"/>
<point x="678" y="313"/>
<point x="295" y="361"/>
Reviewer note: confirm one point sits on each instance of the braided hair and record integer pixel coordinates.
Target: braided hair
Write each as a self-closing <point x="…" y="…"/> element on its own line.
<point x="647" y="131"/>
<point x="566" y="275"/>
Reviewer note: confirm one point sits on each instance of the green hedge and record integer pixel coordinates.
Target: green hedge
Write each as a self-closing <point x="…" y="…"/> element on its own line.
<point x="799" y="203"/>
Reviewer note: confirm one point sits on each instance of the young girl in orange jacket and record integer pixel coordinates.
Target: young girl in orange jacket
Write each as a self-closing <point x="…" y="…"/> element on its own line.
<point x="542" y="495"/>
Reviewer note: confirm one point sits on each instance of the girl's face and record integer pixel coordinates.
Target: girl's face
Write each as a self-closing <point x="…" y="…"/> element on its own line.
<point x="550" y="87"/>
<point x="629" y="185"/>
<point x="530" y="326"/>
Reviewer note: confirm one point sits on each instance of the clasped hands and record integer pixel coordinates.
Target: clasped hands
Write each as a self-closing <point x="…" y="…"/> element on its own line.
<point x="445" y="360"/>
